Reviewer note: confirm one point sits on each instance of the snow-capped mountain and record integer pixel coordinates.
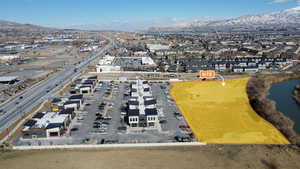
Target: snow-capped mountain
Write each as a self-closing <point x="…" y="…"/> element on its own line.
<point x="284" y="18"/>
<point x="288" y="16"/>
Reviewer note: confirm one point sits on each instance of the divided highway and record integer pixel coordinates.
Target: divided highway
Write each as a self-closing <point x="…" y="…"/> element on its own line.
<point x="15" y="109"/>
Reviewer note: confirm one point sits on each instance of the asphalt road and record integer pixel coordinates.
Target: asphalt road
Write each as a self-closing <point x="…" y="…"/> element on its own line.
<point x="17" y="107"/>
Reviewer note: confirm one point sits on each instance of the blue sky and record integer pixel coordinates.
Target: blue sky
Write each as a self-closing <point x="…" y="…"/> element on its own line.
<point x="63" y="13"/>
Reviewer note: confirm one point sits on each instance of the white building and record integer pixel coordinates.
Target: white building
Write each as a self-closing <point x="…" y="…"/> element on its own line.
<point x="155" y="47"/>
<point x="9" y="57"/>
<point x="106" y="65"/>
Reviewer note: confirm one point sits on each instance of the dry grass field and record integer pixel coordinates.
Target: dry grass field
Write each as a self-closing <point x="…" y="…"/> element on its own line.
<point x="211" y="157"/>
<point x="222" y="114"/>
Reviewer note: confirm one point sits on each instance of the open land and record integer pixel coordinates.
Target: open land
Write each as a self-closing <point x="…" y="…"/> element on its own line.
<point x="222" y="114"/>
<point x="211" y="156"/>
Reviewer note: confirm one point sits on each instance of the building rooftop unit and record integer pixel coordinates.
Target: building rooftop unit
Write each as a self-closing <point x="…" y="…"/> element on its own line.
<point x="38" y="115"/>
<point x="67" y="111"/>
<point x="71" y="102"/>
<point x="130" y="102"/>
<point x="134" y="112"/>
<point x="151" y="112"/>
<point x="76" y="97"/>
<point x="54" y="125"/>
<point x="30" y="123"/>
<point x="150" y="102"/>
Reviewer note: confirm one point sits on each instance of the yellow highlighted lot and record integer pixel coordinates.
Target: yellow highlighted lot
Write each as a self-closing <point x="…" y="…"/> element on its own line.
<point x="222" y="114"/>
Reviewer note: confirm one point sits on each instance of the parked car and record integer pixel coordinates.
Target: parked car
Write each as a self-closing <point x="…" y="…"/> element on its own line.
<point x="184" y="127"/>
<point x="80" y="118"/>
<point x="97" y="123"/>
<point x="105" y="122"/>
<point x="96" y="126"/>
<point x="74" y="129"/>
<point x="182" y="139"/>
<point x="102" y="128"/>
<point x="107" y="118"/>
<point x="163" y="121"/>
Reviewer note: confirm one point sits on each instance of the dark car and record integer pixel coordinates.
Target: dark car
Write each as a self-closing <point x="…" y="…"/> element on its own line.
<point x="97" y="123"/>
<point x="99" y="118"/>
<point x="74" y="129"/>
<point x="163" y="121"/>
<point x="96" y="126"/>
<point x="105" y="122"/>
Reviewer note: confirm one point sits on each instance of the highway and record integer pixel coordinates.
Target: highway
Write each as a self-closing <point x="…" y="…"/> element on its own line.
<point x="16" y="108"/>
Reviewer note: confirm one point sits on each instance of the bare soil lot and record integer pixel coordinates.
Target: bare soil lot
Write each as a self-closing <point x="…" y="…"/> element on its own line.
<point x="211" y="156"/>
<point x="222" y="114"/>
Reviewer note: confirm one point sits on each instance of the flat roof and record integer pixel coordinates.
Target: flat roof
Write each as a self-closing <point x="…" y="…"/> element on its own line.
<point x="50" y="117"/>
<point x="79" y="96"/>
<point x="7" y="78"/>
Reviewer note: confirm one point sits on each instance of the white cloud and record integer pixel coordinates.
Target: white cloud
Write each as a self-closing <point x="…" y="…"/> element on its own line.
<point x="280" y="1"/>
<point x="283" y="1"/>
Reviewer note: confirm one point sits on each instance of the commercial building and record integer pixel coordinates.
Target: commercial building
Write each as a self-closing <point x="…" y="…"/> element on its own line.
<point x="84" y="86"/>
<point x="47" y="124"/>
<point x="106" y="65"/>
<point x="155" y="47"/>
<point x="142" y="110"/>
<point x="8" y="80"/>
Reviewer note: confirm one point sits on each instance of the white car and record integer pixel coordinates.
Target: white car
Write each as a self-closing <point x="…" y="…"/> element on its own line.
<point x="80" y="118"/>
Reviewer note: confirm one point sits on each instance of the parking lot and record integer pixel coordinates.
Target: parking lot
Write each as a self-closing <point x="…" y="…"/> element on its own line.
<point x="101" y="121"/>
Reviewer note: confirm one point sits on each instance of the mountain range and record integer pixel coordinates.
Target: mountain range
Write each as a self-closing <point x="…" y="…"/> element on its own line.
<point x="7" y="25"/>
<point x="289" y="18"/>
<point x="281" y="19"/>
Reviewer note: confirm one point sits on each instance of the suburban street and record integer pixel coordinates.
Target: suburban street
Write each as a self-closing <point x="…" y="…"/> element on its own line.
<point x="16" y="107"/>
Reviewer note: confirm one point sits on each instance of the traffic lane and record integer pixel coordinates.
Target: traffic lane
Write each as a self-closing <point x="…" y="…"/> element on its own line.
<point x="15" y="100"/>
<point x="21" y="109"/>
<point x="48" y="85"/>
<point x="35" y="92"/>
<point x="29" y="93"/>
<point x="23" y="105"/>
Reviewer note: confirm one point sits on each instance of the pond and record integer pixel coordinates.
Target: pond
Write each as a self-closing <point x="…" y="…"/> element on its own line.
<point x="281" y="93"/>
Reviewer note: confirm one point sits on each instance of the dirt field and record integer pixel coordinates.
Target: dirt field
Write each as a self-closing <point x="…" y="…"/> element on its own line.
<point x="210" y="157"/>
<point x="49" y="51"/>
<point x="222" y="114"/>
